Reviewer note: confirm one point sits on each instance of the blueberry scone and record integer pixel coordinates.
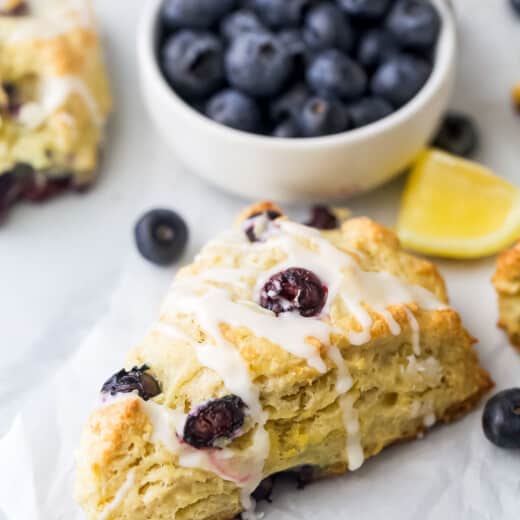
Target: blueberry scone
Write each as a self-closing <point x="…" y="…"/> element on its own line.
<point x="54" y="98"/>
<point x="507" y="284"/>
<point x="281" y="348"/>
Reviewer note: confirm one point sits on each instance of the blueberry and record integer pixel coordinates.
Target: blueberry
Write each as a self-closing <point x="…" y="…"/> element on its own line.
<point x="287" y="129"/>
<point x="215" y="422"/>
<point x="292" y="40"/>
<point x="304" y="475"/>
<point x="135" y="380"/>
<point x="234" y="109"/>
<point x="399" y="78"/>
<point x="333" y="73"/>
<point x="415" y="23"/>
<point x="19" y="9"/>
<point x="193" y="63"/>
<point x="516" y="6"/>
<point x="194" y="14"/>
<point x="258" y="64"/>
<point x="376" y="46"/>
<point x="295" y="289"/>
<point x="367" y="9"/>
<point x="37" y="191"/>
<point x="326" y="27"/>
<point x="239" y="22"/>
<point x="322" y="218"/>
<point x="264" y="490"/>
<point x="368" y="110"/>
<point x="257" y="224"/>
<point x="289" y="105"/>
<point x="457" y="135"/>
<point x="10" y="191"/>
<point x="280" y="13"/>
<point x="321" y="116"/>
<point x="14" y="98"/>
<point x="161" y="236"/>
<point x="501" y="419"/>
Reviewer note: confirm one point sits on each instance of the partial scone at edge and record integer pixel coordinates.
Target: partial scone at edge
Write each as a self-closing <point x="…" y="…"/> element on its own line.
<point x="54" y="100"/>
<point x="507" y="284"/>
<point x="400" y="387"/>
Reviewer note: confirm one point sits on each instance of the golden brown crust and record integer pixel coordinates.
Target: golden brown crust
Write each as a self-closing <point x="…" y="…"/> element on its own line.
<point x="507" y="285"/>
<point x="397" y="392"/>
<point x="38" y="56"/>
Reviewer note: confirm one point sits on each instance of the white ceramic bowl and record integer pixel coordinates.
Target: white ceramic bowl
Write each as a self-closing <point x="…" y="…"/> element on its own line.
<point x="290" y="170"/>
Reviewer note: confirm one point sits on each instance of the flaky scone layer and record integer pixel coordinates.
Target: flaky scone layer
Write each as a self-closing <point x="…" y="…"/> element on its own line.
<point x="54" y="94"/>
<point x="507" y="284"/>
<point x="410" y="368"/>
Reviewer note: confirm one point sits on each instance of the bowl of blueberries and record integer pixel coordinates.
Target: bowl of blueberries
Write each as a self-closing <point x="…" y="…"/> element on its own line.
<point x="294" y="100"/>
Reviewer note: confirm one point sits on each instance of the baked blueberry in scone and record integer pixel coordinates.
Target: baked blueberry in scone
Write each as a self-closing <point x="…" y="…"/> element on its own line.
<point x="281" y="348"/>
<point x="54" y="98"/>
<point x="507" y="285"/>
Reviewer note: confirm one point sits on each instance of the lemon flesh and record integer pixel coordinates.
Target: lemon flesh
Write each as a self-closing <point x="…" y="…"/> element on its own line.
<point x="456" y="208"/>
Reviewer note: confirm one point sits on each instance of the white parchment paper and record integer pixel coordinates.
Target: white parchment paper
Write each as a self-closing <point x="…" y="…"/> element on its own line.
<point x="453" y="473"/>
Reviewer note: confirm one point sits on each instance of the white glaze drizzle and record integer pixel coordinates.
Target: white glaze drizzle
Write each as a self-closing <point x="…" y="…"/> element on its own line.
<point x="119" y="496"/>
<point x="48" y="19"/>
<point x="355" y="453"/>
<point x="212" y="306"/>
<point x="416" y="332"/>
<point x="429" y="420"/>
<point x="53" y="92"/>
<point x="51" y="18"/>
<point x="215" y="307"/>
<point x="343" y="277"/>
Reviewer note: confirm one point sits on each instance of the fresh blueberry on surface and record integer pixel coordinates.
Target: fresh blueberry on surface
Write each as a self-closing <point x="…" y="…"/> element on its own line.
<point x="399" y="78"/>
<point x="234" y="109"/>
<point x="334" y="74"/>
<point x="258" y="64"/>
<point x="326" y="27"/>
<point x="239" y="22"/>
<point x="367" y="9"/>
<point x="257" y="224"/>
<point x="287" y="129"/>
<point x="289" y="105"/>
<point x="193" y="63"/>
<point x="194" y="14"/>
<point x="374" y="47"/>
<point x="458" y="135"/>
<point x="215" y="422"/>
<point x="295" y="289"/>
<point x="322" y="218"/>
<point x="516" y="6"/>
<point x="161" y="236"/>
<point x="501" y="419"/>
<point x="415" y="23"/>
<point x="280" y="13"/>
<point x="322" y="116"/>
<point x="368" y="110"/>
<point x="135" y="380"/>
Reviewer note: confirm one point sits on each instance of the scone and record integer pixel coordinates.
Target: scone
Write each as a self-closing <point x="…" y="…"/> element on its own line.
<point x="507" y="284"/>
<point x="281" y="347"/>
<point x="54" y="98"/>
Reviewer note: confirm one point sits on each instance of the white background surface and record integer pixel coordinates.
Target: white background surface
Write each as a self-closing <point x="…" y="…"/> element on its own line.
<point x="60" y="264"/>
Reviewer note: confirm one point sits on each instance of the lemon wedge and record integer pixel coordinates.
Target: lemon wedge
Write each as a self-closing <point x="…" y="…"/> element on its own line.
<point x="456" y="208"/>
